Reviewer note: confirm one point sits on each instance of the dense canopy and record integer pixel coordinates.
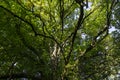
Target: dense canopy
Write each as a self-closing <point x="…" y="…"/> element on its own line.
<point x="59" y="40"/>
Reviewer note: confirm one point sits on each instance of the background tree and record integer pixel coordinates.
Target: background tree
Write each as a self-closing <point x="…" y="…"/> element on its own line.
<point x="59" y="40"/>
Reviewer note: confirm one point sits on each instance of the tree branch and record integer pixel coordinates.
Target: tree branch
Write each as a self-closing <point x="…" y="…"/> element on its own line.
<point x="82" y="21"/>
<point x="20" y="19"/>
<point x="31" y="25"/>
<point x="108" y="21"/>
<point x="75" y="32"/>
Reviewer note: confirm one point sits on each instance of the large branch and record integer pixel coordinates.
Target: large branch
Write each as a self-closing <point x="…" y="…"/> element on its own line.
<point x="108" y="21"/>
<point x="62" y="14"/>
<point x="92" y="11"/>
<point x="19" y="18"/>
<point x="106" y="29"/>
<point x="30" y="24"/>
<point x="75" y="32"/>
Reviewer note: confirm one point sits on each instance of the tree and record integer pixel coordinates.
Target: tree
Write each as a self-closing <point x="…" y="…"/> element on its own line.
<point x="58" y="40"/>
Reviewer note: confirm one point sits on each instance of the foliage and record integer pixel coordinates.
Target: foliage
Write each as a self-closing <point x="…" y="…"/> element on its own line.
<point x="59" y="40"/>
